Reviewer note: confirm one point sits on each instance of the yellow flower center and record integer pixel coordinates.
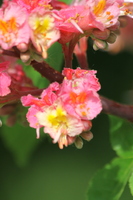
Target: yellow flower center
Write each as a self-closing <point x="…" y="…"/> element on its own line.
<point x="8" y="26"/>
<point x="42" y="25"/>
<point x="57" y="117"/>
<point x="99" y="7"/>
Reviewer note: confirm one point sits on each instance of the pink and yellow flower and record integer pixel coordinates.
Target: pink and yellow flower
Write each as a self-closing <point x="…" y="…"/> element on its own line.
<point x="65" y="110"/>
<point x="43" y="31"/>
<point x="13" y="26"/>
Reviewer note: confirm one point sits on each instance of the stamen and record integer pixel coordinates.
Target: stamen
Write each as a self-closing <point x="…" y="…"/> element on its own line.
<point x="110" y="17"/>
<point x="3" y="26"/>
<point x="76" y="26"/>
<point x="99" y="7"/>
<point x="38" y="133"/>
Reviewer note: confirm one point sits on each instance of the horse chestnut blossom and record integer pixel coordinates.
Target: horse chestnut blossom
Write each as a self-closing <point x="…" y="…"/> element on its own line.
<point x="43" y="31"/>
<point x="65" y="110"/>
<point x="13" y="26"/>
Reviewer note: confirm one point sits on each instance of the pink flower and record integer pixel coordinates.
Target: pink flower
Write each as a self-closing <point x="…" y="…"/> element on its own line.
<point x="83" y="16"/>
<point x="43" y="30"/>
<point x="65" y="110"/>
<point x="84" y="78"/>
<point x="80" y="102"/>
<point x="78" y="93"/>
<point x="13" y="27"/>
<point x="58" y="124"/>
<point x="33" y="5"/>
<point x="5" y="79"/>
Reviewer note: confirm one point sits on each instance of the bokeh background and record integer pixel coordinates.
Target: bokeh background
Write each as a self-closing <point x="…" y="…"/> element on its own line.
<point x="33" y="169"/>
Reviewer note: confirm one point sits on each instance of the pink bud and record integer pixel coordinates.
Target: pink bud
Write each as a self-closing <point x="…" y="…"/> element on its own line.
<point x="25" y="56"/>
<point x="103" y="35"/>
<point x="22" y="47"/>
<point x="100" y="44"/>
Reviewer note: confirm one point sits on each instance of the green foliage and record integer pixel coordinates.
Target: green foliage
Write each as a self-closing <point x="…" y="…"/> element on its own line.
<point x="67" y="1"/>
<point x="121" y="133"/>
<point x="21" y="142"/>
<point x="109" y="182"/>
<point x="131" y="184"/>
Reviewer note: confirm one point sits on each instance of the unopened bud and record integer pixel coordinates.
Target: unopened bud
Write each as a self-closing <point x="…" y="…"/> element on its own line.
<point x="23" y="47"/>
<point x="25" y="56"/>
<point x="70" y="140"/>
<point x="100" y="44"/>
<point x="79" y="143"/>
<point x="112" y="38"/>
<point x="0" y="123"/>
<point x="87" y="136"/>
<point x="102" y="35"/>
<point x="37" y="57"/>
<point x="95" y="47"/>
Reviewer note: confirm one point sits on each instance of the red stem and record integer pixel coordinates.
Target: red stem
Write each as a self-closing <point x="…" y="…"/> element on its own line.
<point x="82" y="60"/>
<point x="48" y="72"/>
<point x="69" y="49"/>
<point x="17" y="95"/>
<point x="117" y="109"/>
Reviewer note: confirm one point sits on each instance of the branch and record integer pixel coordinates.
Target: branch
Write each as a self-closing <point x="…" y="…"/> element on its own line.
<point x="117" y="109"/>
<point x="48" y="72"/>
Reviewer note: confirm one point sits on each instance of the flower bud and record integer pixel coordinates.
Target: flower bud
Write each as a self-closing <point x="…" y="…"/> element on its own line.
<point x="23" y="47"/>
<point x="79" y="143"/>
<point x="0" y="123"/>
<point x="87" y="135"/>
<point x="112" y="38"/>
<point x="70" y="140"/>
<point x="37" y="57"/>
<point x="95" y="47"/>
<point x="102" y="35"/>
<point x="100" y="44"/>
<point x="25" y="56"/>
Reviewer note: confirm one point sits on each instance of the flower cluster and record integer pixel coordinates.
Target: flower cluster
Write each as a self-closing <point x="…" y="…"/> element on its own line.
<point x="65" y="110"/>
<point x="36" y="25"/>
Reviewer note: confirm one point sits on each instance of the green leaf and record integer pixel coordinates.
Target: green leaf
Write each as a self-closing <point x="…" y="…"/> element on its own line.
<point x="67" y="1"/>
<point x="21" y="141"/>
<point x="131" y="184"/>
<point x="109" y="182"/>
<point x="121" y="133"/>
<point x="55" y="56"/>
